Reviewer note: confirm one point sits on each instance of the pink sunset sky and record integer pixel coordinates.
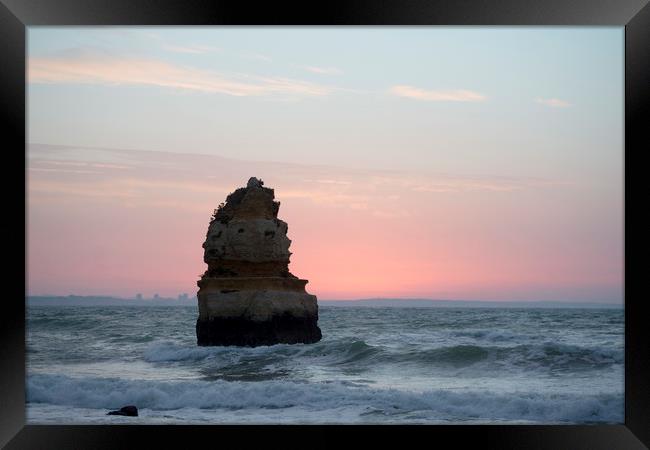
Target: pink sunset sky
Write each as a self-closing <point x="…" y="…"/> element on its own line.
<point x="126" y="222"/>
<point x="474" y="164"/>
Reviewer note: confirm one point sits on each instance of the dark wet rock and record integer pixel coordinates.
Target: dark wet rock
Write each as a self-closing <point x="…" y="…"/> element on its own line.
<point x="129" y="410"/>
<point x="240" y="331"/>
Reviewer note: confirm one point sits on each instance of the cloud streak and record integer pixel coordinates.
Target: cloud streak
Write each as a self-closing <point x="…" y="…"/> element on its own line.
<point x="257" y="56"/>
<point x="89" y="68"/>
<point x="322" y="70"/>
<point x="453" y="95"/>
<point x="193" y="49"/>
<point x="553" y="102"/>
<point x="449" y="230"/>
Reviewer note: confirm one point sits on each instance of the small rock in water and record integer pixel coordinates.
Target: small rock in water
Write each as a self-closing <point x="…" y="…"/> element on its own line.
<point x="125" y="411"/>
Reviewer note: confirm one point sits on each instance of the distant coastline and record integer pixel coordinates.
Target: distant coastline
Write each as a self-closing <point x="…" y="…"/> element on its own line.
<point x="429" y="303"/>
<point x="77" y="300"/>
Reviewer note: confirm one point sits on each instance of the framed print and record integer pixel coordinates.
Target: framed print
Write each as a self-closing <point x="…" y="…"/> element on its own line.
<point x="371" y="217"/>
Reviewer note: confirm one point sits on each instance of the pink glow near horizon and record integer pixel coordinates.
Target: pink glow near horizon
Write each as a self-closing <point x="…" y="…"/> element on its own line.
<point x="123" y="223"/>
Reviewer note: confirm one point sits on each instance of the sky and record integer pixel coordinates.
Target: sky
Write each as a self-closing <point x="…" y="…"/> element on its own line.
<point x="474" y="163"/>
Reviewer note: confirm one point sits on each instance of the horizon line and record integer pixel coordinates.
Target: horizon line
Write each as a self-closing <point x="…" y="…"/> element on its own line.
<point x="417" y="299"/>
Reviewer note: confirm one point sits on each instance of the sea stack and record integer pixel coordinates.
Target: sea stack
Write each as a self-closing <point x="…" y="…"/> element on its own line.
<point x="247" y="296"/>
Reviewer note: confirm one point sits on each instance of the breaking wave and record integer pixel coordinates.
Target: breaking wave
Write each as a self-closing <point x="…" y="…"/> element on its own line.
<point x="111" y="393"/>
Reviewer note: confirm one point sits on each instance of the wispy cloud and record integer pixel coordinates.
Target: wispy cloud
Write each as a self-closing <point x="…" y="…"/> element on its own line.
<point x="46" y="169"/>
<point x="257" y="56"/>
<point x="454" y="95"/>
<point x="553" y="102"/>
<point x="194" y="49"/>
<point x="84" y="164"/>
<point x="447" y="183"/>
<point x="383" y="194"/>
<point x="140" y="32"/>
<point x="322" y="70"/>
<point x="94" y="68"/>
<point x="345" y="183"/>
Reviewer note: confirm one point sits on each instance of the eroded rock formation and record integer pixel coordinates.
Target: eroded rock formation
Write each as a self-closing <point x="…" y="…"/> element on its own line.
<point x="247" y="296"/>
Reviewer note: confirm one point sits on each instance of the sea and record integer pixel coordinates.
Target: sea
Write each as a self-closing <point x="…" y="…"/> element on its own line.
<point x="374" y="365"/>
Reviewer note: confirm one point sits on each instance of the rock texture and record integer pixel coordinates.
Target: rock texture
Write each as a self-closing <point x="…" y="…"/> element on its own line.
<point x="247" y="296"/>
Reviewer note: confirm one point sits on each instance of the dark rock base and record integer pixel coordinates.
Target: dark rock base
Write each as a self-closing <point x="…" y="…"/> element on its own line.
<point x="238" y="331"/>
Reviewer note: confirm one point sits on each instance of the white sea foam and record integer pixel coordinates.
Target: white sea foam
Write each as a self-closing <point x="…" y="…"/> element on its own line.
<point x="107" y="393"/>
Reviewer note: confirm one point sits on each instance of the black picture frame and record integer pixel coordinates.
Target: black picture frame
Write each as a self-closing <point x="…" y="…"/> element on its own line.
<point x="16" y="15"/>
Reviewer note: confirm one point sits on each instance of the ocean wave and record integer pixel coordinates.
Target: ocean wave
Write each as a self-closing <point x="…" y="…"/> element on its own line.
<point x="108" y="393"/>
<point x="168" y="351"/>
<point x="341" y="352"/>
<point x="455" y="354"/>
<point x="492" y="335"/>
<point x="555" y="355"/>
<point x="344" y="352"/>
<point x="551" y="356"/>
